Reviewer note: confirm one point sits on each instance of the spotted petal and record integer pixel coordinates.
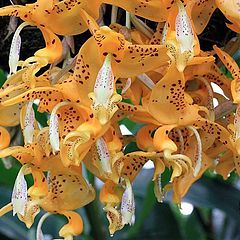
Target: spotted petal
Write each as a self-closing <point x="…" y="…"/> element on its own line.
<point x="15" y="49"/>
<point x="29" y="124"/>
<point x="19" y="194"/>
<point x="54" y="133"/>
<point x="199" y="151"/>
<point x="128" y="204"/>
<point x="184" y="31"/>
<point x="104" y="155"/>
<point x="53" y="128"/>
<point x="104" y="99"/>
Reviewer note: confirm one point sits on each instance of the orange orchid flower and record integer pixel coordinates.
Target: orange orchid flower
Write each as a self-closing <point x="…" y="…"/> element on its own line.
<point x="160" y="79"/>
<point x="65" y="190"/>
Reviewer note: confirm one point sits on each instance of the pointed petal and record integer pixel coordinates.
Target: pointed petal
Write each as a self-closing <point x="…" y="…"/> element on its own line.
<point x="54" y="133"/>
<point x="104" y="84"/>
<point x="19" y="194"/>
<point x="29" y="124"/>
<point x="54" y="129"/>
<point x="127" y="204"/>
<point x="228" y="61"/>
<point x="199" y="151"/>
<point x="201" y="12"/>
<point x="104" y="155"/>
<point x="15" y="49"/>
<point x="184" y="31"/>
<point x="237" y="123"/>
<point x="46" y="94"/>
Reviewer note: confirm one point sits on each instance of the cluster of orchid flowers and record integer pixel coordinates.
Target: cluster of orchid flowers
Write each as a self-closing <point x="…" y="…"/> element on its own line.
<point x="166" y="79"/>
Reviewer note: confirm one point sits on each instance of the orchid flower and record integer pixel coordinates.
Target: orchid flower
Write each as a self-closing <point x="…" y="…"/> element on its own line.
<point x="105" y="159"/>
<point x="160" y="79"/>
<point x="48" y="196"/>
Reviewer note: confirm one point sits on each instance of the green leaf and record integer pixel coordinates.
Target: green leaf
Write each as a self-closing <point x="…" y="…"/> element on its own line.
<point x="189" y="225"/>
<point x="133" y="127"/>
<point x="147" y="206"/>
<point x="131" y="147"/>
<point x="10" y="226"/>
<point x="166" y="176"/>
<point x="192" y="228"/>
<point x="212" y="193"/>
<point x="8" y="176"/>
<point x="153" y="220"/>
<point x="3" y="77"/>
<point x="42" y="118"/>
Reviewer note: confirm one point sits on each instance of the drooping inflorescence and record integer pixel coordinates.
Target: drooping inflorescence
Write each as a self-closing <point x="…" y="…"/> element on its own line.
<point x="159" y="79"/>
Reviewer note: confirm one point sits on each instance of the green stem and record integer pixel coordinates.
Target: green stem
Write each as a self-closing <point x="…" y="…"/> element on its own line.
<point x="208" y="228"/>
<point x="94" y="215"/>
<point x="97" y="229"/>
